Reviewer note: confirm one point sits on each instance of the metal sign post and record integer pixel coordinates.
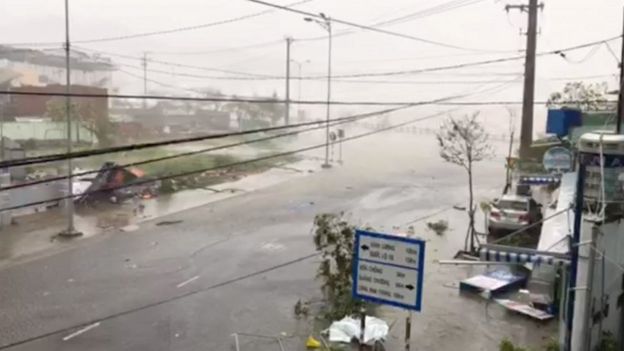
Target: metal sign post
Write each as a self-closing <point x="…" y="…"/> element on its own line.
<point x="388" y="270"/>
<point x="362" y="328"/>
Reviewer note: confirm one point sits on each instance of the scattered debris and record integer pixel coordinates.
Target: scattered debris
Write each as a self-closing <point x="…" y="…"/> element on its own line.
<point x="83" y="330"/>
<point x="440" y="227"/>
<point x="492" y="283"/>
<point x="302" y="309"/>
<point x="348" y="329"/>
<point x="187" y="282"/>
<point x="524" y="309"/>
<point x="168" y="222"/>
<point x="114" y="183"/>
<point x="113" y="220"/>
<point x="129" y="228"/>
<point x="312" y="343"/>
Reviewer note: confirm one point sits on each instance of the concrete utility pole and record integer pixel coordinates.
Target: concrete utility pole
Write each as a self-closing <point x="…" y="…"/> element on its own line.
<point x="289" y="41"/>
<point x="144" y="79"/>
<point x="618" y="127"/>
<point x="526" y="131"/>
<point x="70" y="231"/>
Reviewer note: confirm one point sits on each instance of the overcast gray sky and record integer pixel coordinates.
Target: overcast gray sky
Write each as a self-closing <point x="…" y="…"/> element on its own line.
<point x="483" y="25"/>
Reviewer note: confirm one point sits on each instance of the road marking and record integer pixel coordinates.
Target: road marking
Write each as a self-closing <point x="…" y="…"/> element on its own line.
<point x="187" y="281"/>
<point x="83" y="330"/>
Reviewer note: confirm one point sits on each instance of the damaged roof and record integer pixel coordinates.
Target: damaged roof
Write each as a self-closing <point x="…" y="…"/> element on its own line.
<point x="78" y="60"/>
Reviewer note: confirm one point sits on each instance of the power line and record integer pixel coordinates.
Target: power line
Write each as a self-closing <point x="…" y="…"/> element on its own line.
<point x="469" y="64"/>
<point x="338" y="121"/>
<point x="217" y="51"/>
<point x="176" y="64"/>
<point x="435" y="69"/>
<point x="369" y="28"/>
<point x="229" y="165"/>
<point x="333" y="122"/>
<point x="264" y="100"/>
<point x="162" y="302"/>
<point x="168" y="31"/>
<point x="409" y="17"/>
<point x="134" y="147"/>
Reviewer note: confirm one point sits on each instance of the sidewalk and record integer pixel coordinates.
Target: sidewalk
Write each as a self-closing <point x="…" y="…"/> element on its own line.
<point x="34" y="235"/>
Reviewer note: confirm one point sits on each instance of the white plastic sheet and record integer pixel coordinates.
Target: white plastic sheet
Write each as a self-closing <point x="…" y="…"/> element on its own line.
<point x="349" y="328"/>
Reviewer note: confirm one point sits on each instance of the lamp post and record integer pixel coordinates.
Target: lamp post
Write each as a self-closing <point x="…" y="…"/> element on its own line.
<point x="326" y="24"/>
<point x="299" y="74"/>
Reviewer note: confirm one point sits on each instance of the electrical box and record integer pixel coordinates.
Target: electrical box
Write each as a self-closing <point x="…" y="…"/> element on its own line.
<point x="560" y="121"/>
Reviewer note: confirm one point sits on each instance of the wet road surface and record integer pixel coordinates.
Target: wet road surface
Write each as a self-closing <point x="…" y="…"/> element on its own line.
<point x="191" y="284"/>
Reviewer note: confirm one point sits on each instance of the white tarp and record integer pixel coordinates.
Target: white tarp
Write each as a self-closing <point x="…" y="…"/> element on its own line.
<point x="348" y="329"/>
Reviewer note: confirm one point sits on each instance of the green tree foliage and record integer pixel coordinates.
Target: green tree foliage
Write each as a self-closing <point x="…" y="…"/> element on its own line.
<point x="333" y="237"/>
<point x="463" y="141"/>
<point x="586" y="97"/>
<point x="86" y="115"/>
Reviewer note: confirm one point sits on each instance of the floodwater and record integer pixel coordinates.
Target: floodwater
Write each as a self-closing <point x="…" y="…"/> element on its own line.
<point x="390" y="183"/>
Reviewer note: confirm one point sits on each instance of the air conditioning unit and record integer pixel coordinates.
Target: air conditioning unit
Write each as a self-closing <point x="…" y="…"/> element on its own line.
<point x="603" y="154"/>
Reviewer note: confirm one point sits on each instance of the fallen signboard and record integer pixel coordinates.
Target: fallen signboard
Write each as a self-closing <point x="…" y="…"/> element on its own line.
<point x="388" y="269"/>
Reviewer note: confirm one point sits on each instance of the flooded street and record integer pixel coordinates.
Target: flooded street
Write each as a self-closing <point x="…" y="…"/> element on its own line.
<point x="171" y="282"/>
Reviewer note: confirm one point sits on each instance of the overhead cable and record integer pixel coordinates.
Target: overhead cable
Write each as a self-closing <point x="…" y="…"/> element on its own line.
<point x="229" y="165"/>
<point x="167" y="31"/>
<point x="410" y="71"/>
<point x="333" y="122"/>
<point x="440" y="8"/>
<point x="134" y="147"/>
<point x="369" y="28"/>
<point x="264" y="100"/>
<point x="165" y="301"/>
<point x="176" y="64"/>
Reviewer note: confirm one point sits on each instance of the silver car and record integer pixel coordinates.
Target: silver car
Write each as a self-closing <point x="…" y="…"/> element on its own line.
<point x="513" y="212"/>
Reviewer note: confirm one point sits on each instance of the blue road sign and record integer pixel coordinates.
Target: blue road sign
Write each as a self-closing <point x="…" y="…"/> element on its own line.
<point x="388" y="269"/>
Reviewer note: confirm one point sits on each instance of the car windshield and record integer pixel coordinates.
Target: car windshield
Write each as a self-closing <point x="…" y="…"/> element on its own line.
<point x="512" y="205"/>
<point x="266" y="175"/>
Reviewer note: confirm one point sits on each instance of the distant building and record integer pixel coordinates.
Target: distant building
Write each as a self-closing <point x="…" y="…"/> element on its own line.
<point x="44" y="67"/>
<point x="37" y="105"/>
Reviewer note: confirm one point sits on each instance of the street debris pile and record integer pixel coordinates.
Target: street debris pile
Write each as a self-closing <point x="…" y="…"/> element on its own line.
<point x="115" y="184"/>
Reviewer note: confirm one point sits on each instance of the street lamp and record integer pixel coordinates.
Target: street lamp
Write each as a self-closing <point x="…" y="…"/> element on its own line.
<point x="299" y="70"/>
<point x="326" y="24"/>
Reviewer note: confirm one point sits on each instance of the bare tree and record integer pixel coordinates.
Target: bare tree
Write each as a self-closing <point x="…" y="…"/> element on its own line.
<point x="586" y="97"/>
<point x="463" y="141"/>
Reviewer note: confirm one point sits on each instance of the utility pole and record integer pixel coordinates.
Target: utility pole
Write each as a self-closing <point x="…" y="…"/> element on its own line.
<point x="327" y="25"/>
<point x="70" y="231"/>
<point x="618" y="126"/>
<point x="289" y="41"/>
<point x="144" y="79"/>
<point x="526" y="131"/>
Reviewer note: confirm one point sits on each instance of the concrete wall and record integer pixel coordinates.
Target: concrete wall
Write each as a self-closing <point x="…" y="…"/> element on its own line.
<point x="610" y="240"/>
<point x="45" y="131"/>
<point x="589" y="322"/>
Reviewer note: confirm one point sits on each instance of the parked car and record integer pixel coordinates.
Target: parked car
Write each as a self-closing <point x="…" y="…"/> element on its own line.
<point x="513" y="212"/>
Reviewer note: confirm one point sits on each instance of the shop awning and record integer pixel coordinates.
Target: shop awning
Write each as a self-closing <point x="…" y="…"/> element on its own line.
<point x="539" y="179"/>
<point x="510" y="254"/>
